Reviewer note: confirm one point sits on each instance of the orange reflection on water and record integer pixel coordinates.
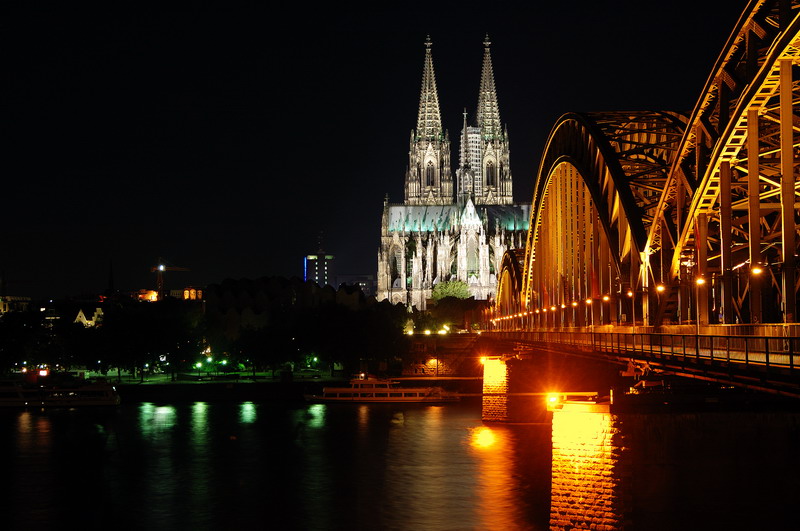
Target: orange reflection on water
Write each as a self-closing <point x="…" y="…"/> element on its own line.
<point x="482" y="438"/>
<point x="585" y="486"/>
<point x="497" y="489"/>
<point x="35" y="431"/>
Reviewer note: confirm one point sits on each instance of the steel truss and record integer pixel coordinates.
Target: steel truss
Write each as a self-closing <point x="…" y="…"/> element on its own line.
<point x="631" y="209"/>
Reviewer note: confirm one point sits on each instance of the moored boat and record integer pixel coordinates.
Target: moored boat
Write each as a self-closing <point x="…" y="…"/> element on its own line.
<point x="16" y="394"/>
<point x="371" y="389"/>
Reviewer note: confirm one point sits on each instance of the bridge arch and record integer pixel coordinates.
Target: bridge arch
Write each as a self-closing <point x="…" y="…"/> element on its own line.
<point x="509" y="285"/>
<point x="728" y="212"/>
<point x="630" y="209"/>
<point x="598" y="180"/>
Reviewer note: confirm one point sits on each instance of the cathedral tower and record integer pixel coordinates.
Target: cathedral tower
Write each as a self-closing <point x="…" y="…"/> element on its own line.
<point x="428" y="179"/>
<point x="432" y="237"/>
<point x="484" y="173"/>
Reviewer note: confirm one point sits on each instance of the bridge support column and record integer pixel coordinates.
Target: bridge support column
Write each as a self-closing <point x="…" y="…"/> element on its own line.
<point x="726" y="243"/>
<point x="495" y="390"/>
<point x="754" y="214"/>
<point x="701" y="289"/>
<point x="787" y="192"/>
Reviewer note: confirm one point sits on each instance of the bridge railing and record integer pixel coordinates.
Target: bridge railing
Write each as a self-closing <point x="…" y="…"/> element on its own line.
<point x="745" y="351"/>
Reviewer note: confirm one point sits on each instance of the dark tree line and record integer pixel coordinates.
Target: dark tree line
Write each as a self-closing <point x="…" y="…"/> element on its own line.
<point x="131" y="336"/>
<point x="251" y="325"/>
<point x="270" y="322"/>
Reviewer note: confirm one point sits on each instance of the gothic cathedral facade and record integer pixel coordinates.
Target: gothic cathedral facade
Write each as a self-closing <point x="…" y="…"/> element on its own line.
<point x="451" y="228"/>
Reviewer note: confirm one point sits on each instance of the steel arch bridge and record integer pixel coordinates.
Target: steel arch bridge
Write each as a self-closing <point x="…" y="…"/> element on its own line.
<point x="650" y="219"/>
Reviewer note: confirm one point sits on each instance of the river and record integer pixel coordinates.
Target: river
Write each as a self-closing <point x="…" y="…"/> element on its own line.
<point x="312" y="466"/>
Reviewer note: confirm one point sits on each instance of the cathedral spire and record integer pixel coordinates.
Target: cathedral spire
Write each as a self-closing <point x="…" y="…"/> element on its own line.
<point x="462" y="159"/>
<point x="429" y="121"/>
<point x="428" y="179"/>
<point x="488" y="116"/>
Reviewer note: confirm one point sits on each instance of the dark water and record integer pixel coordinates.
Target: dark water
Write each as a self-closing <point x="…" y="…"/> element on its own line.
<point x="277" y="466"/>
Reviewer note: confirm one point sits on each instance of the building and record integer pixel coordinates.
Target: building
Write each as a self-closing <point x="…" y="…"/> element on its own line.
<point x="89" y="322"/>
<point x="320" y="268"/>
<point x="451" y="229"/>
<point x="365" y="282"/>
<point x="10" y="303"/>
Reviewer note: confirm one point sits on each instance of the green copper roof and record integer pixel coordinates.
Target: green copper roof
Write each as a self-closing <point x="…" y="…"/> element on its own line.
<point x="427" y="218"/>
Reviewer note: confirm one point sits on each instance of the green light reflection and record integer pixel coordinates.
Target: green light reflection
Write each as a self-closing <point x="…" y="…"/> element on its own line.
<point x="247" y="413"/>
<point x="316" y="413"/>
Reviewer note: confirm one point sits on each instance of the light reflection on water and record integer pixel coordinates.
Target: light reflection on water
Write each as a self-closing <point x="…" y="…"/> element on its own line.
<point x="499" y="498"/>
<point x="226" y="465"/>
<point x="216" y="465"/>
<point x="710" y="470"/>
<point x="247" y="413"/>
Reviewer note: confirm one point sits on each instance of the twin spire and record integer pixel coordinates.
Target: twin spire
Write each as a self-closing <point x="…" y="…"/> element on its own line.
<point x="488" y="116"/>
<point x="483" y="170"/>
<point x="429" y="119"/>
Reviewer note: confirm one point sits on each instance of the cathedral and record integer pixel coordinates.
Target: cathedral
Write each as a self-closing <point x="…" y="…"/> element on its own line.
<point x="451" y="227"/>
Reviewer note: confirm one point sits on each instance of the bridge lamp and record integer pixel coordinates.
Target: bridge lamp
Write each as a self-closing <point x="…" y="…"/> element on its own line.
<point x="427" y="332"/>
<point x="411" y="332"/>
<point x="537" y="310"/>
<point x="544" y="310"/>
<point x="563" y="305"/>
<point x="552" y="308"/>
<point x="660" y="288"/>
<point x="630" y="293"/>
<point x="554" y="401"/>
<point x="700" y="281"/>
<point x="588" y="301"/>
<point x="606" y="298"/>
<point x="756" y="270"/>
<point x="574" y="303"/>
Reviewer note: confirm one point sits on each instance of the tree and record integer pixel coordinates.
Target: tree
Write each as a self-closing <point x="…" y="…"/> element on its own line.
<point x="451" y="288"/>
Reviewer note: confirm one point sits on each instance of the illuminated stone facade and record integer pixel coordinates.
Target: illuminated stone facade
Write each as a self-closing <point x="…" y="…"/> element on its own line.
<point x="440" y="234"/>
<point x="495" y="390"/>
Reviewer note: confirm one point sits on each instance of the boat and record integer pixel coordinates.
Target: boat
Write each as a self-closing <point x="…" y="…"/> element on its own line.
<point x="17" y="394"/>
<point x="371" y="389"/>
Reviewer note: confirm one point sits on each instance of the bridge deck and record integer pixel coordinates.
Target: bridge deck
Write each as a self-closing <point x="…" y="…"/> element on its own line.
<point x="765" y="363"/>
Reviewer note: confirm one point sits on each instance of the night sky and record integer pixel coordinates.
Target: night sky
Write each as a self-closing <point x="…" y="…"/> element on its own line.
<point x="226" y="141"/>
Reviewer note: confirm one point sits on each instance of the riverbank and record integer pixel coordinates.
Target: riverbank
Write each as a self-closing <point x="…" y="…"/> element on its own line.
<point x="241" y="390"/>
<point x="156" y="389"/>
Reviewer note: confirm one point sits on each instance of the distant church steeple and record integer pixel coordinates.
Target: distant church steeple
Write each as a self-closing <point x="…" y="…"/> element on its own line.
<point x="428" y="179"/>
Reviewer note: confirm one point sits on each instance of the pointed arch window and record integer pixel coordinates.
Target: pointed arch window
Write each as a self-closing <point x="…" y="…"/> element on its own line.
<point x="429" y="174"/>
<point x="491" y="176"/>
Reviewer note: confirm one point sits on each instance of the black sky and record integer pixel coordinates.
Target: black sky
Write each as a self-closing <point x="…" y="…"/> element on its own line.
<point x="226" y="140"/>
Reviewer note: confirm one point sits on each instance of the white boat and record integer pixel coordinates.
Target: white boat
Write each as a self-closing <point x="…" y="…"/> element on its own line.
<point x="15" y="394"/>
<point x="370" y="389"/>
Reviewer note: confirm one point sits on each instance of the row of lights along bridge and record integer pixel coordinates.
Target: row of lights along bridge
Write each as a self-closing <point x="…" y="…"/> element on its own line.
<point x="700" y="280"/>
